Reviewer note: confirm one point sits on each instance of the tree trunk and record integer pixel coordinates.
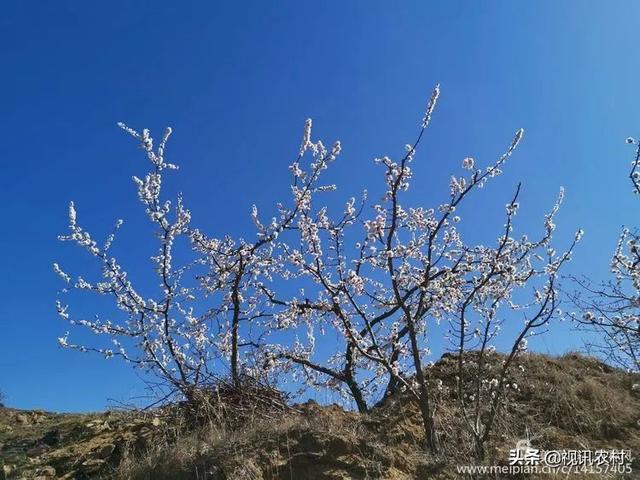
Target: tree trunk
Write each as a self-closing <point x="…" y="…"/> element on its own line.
<point x="479" y="448"/>
<point x="357" y="395"/>
<point x="423" y="393"/>
<point x="429" y="427"/>
<point x="235" y="376"/>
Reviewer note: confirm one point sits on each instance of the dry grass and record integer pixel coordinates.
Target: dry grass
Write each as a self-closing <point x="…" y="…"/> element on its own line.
<point x="570" y="402"/>
<point x="263" y="448"/>
<point x="562" y="403"/>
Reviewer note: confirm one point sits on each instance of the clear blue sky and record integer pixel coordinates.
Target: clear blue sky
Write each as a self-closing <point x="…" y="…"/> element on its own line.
<point x="237" y="79"/>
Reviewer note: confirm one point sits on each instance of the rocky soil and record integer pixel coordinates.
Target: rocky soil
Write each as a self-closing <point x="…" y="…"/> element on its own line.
<point x="37" y="445"/>
<point x="572" y="402"/>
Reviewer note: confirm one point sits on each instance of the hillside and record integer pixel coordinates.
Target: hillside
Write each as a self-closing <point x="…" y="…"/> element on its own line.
<point x="570" y="402"/>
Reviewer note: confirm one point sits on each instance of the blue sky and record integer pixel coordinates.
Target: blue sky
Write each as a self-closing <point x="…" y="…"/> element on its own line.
<point x="236" y="80"/>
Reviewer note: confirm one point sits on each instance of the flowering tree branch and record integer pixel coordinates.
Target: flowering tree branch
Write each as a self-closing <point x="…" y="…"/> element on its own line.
<point x="376" y="278"/>
<point x="489" y="300"/>
<point x="158" y="334"/>
<point x="412" y="268"/>
<point x="613" y="308"/>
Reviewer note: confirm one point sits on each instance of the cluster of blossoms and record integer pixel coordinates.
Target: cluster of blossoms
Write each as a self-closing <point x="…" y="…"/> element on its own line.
<point x="163" y="334"/>
<point x="613" y="308"/>
<point x="159" y="334"/>
<point x="377" y="283"/>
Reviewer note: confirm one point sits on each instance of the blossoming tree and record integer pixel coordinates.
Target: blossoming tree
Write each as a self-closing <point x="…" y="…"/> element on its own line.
<point x="494" y="292"/>
<point x="612" y="309"/>
<point x="372" y="283"/>
<point x="409" y="269"/>
<point x="164" y="335"/>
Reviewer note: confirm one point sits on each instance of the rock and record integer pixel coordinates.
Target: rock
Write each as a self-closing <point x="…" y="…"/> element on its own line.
<point x="38" y="416"/>
<point x="92" y="465"/>
<point x="69" y="476"/>
<point x="45" y="472"/>
<point x="98" y="426"/>
<point x="105" y="451"/>
<point x="22" y="419"/>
